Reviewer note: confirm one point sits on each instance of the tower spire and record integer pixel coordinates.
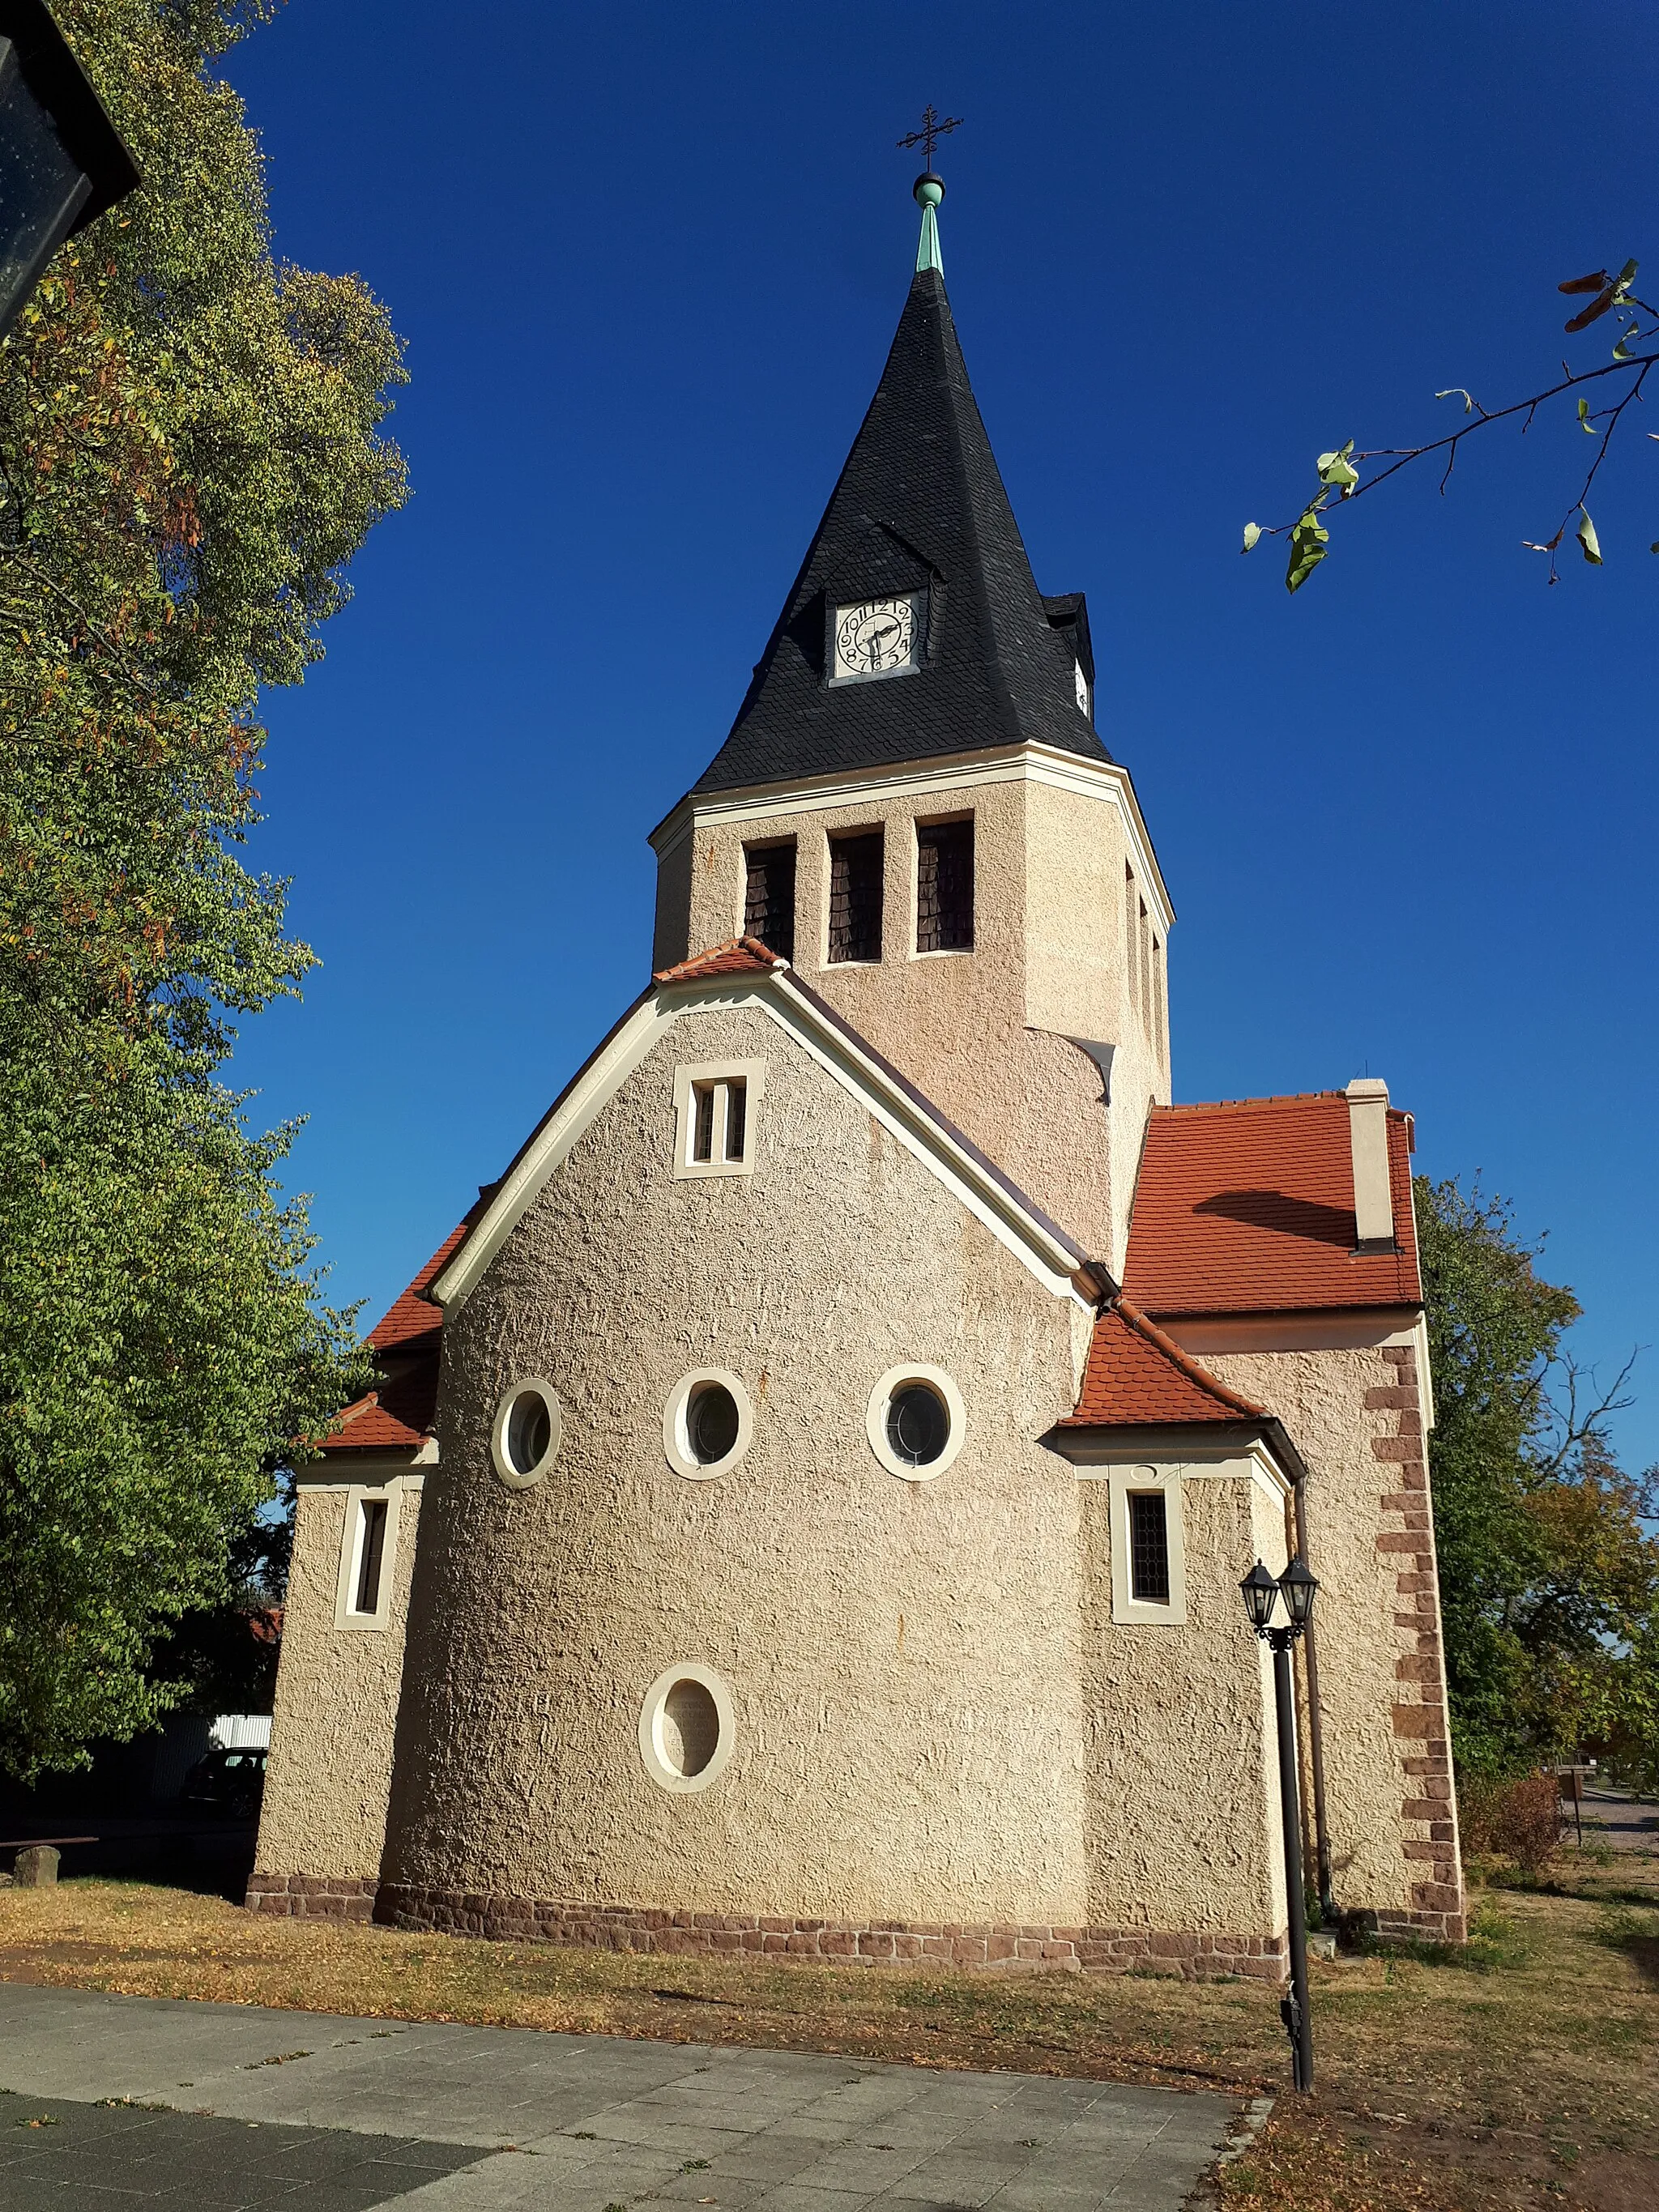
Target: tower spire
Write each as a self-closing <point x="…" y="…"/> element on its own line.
<point x="930" y="191"/>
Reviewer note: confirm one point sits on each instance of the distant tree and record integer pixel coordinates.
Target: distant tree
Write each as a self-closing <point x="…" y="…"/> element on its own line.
<point x="1549" y="1581"/>
<point x="189" y="453"/>
<point x="1341" y="471"/>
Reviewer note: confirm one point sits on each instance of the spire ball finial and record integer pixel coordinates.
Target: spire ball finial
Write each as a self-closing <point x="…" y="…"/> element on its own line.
<point x="929" y="189"/>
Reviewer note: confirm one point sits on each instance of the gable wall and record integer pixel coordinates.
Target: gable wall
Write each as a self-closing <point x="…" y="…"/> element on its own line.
<point x="985" y="1034"/>
<point x="902" y="1656"/>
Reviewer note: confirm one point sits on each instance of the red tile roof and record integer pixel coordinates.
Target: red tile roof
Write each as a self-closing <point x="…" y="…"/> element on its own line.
<point x="1136" y="1377"/>
<point x="370" y="1426"/>
<point x="1248" y="1207"/>
<point x="406" y="1339"/>
<point x="410" y="1315"/>
<point x="739" y="955"/>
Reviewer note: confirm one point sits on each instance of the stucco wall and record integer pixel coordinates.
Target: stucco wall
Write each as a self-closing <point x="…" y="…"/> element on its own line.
<point x="982" y="1033"/>
<point x="1181" y="1832"/>
<point x="1354" y="1414"/>
<point x="902" y="1656"/>
<point x="329" y="1769"/>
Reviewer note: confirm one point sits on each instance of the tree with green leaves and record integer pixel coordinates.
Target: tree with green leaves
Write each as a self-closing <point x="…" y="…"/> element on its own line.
<point x="1341" y="471"/>
<point x="1549" y="1578"/>
<point x="191" y="450"/>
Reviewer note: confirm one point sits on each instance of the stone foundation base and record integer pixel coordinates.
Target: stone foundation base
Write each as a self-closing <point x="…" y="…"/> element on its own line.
<point x="312" y="1896"/>
<point x="859" y="1942"/>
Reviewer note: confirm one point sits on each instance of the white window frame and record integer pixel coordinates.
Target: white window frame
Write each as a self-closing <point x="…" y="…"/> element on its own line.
<point x="550" y="1397"/>
<point x="1127" y="1609"/>
<point x="651" y="1713"/>
<point x="346" y="1615"/>
<point x="721" y="1074"/>
<point x="675" y="1434"/>
<point x="875" y="1420"/>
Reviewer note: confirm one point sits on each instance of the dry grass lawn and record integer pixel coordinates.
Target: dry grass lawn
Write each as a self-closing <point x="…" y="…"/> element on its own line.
<point x="1524" y="2076"/>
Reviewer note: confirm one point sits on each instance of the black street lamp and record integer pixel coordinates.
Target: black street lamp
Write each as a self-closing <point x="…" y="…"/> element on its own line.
<point x="62" y="161"/>
<point x="1262" y="1594"/>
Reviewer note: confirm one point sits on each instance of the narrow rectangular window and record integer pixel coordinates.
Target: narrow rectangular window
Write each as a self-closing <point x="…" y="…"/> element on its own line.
<point x="702" y="1121"/>
<point x="945" y="886"/>
<point x="736" y="1115"/>
<point x="1149" y="1548"/>
<point x="768" y="896"/>
<point x="1131" y="939"/>
<point x="1157" y="999"/>
<point x="371" y="1545"/>
<point x="856" y="869"/>
<point x="1145" y="941"/>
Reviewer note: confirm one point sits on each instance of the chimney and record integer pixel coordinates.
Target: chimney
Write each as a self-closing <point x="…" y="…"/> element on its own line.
<point x="1368" y="1134"/>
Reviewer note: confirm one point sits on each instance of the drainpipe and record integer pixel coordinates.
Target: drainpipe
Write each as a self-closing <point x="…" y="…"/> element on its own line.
<point x="1315" y="1734"/>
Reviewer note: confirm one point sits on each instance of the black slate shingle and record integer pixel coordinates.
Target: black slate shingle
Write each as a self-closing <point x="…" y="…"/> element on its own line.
<point x="919" y="504"/>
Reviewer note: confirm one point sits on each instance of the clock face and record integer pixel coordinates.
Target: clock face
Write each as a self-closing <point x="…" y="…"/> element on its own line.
<point x="877" y="637"/>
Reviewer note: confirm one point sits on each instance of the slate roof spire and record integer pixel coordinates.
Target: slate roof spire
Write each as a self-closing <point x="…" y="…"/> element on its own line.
<point x="918" y="507"/>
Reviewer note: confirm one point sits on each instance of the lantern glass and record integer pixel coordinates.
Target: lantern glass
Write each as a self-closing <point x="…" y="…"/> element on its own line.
<point x="1298" y="1588"/>
<point x="1261" y="1594"/>
<point x="42" y="186"/>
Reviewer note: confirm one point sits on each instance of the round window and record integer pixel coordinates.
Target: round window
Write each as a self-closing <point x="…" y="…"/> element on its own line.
<point x="688" y="1727"/>
<point x="711" y="1422"/>
<point x="687" y="1730"/>
<point x="918" y="1425"/>
<point x="524" y="1440"/>
<point x="707" y="1424"/>
<point x="915" y="1422"/>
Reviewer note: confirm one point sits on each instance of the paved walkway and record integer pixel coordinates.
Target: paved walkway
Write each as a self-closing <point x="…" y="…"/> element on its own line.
<point x="235" y="2105"/>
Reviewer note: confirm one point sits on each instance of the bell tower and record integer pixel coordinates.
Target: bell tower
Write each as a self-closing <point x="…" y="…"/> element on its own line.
<point x="913" y="806"/>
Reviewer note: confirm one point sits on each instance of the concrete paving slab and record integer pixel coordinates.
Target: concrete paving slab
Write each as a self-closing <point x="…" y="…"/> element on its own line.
<point x="597" y="2122"/>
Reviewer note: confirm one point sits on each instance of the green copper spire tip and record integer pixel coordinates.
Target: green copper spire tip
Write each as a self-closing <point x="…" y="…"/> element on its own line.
<point x="929" y="191"/>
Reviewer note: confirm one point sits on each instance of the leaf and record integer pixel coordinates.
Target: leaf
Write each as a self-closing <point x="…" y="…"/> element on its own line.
<point x="1532" y="546"/>
<point x="1309" y="541"/>
<point x="1654" y="548"/>
<point x="1588" y="539"/>
<point x="1593" y="282"/>
<point x="1584" y="423"/>
<point x="1618" y="351"/>
<point x="1597" y="308"/>
<point x="1627" y="274"/>
<point x="1252" y="537"/>
<point x="1336" y="471"/>
<point x="1456" y="391"/>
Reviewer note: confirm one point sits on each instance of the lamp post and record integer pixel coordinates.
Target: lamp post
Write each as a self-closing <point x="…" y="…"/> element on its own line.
<point x="1263" y="1593"/>
<point x="62" y="161"/>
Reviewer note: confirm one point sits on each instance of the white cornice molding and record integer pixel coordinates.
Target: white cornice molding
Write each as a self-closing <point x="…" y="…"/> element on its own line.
<point x="1033" y="1242"/>
<point x="1105" y="781"/>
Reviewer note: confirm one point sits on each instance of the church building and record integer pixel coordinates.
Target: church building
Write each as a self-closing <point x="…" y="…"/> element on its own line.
<point x="804" y="1504"/>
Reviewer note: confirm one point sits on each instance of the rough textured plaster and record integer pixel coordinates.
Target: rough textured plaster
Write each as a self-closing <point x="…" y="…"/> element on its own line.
<point x="1181" y="1730"/>
<point x="1320" y="1396"/>
<point x="329" y="1769"/>
<point x="985" y="1034"/>
<point x="902" y="1656"/>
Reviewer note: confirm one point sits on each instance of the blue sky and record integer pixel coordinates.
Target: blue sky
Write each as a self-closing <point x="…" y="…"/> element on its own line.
<point x="648" y="259"/>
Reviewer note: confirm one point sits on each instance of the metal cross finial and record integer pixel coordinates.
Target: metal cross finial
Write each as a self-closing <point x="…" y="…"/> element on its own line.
<point x="932" y="130"/>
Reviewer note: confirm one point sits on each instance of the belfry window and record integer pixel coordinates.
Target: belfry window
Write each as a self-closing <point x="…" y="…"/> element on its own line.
<point x="768" y="896"/>
<point x="945" y="886"/>
<point x="856" y="872"/>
